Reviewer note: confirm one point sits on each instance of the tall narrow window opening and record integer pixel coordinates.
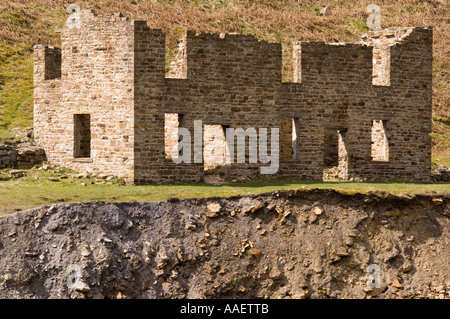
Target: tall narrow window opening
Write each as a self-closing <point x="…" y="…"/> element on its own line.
<point x="335" y="158"/>
<point x="380" y="143"/>
<point x="295" y="128"/>
<point x="216" y="153"/>
<point x="288" y="138"/>
<point x="172" y="121"/>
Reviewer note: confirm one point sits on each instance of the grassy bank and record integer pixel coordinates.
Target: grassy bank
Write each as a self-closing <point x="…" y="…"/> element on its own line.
<point x="39" y="187"/>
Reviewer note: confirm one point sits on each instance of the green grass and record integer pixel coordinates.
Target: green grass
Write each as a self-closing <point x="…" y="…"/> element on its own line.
<point x="357" y="26"/>
<point x="441" y="141"/>
<point x="16" y="88"/>
<point x="440" y="159"/>
<point x="36" y="190"/>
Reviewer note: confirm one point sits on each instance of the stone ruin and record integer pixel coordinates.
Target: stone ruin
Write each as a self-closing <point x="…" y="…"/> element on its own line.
<point x="20" y="155"/>
<point x="103" y="102"/>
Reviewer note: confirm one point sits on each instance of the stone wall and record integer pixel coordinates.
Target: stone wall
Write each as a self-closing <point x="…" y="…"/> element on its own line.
<point x="114" y="69"/>
<point x="8" y="156"/>
<point x="20" y="155"/>
<point x="97" y="80"/>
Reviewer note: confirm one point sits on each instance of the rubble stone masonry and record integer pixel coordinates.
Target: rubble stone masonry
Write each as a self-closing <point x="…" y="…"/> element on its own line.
<point x="101" y="102"/>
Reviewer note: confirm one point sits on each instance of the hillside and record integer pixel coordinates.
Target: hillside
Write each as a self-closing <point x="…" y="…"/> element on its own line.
<point x="23" y="24"/>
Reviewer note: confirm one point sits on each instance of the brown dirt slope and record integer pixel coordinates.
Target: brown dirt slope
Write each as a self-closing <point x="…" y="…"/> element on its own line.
<point x="290" y="244"/>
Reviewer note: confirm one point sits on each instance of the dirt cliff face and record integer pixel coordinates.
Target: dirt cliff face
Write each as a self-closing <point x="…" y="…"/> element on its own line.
<point x="290" y="244"/>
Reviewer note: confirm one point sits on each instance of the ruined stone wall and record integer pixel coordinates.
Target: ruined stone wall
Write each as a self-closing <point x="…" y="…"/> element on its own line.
<point x="96" y="79"/>
<point x="150" y="97"/>
<point x="8" y="156"/>
<point x="20" y="155"/>
<point x="336" y="92"/>
<point x="335" y="79"/>
<point x="114" y="70"/>
<point x="405" y="108"/>
<point x="231" y="81"/>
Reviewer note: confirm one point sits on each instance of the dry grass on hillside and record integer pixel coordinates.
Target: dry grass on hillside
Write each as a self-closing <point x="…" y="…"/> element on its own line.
<point x="276" y="21"/>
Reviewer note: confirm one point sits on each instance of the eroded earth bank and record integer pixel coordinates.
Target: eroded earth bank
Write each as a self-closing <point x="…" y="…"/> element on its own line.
<point x="289" y="244"/>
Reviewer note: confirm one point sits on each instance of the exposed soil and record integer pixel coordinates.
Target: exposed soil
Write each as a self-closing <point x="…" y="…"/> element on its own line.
<point x="289" y="244"/>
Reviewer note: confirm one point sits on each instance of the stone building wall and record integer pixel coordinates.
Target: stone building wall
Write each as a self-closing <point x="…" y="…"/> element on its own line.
<point x="405" y="108"/>
<point x="96" y="79"/>
<point x="114" y="70"/>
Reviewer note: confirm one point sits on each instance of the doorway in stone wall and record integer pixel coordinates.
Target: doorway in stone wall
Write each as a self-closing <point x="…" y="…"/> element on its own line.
<point x="335" y="159"/>
<point x="82" y="136"/>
